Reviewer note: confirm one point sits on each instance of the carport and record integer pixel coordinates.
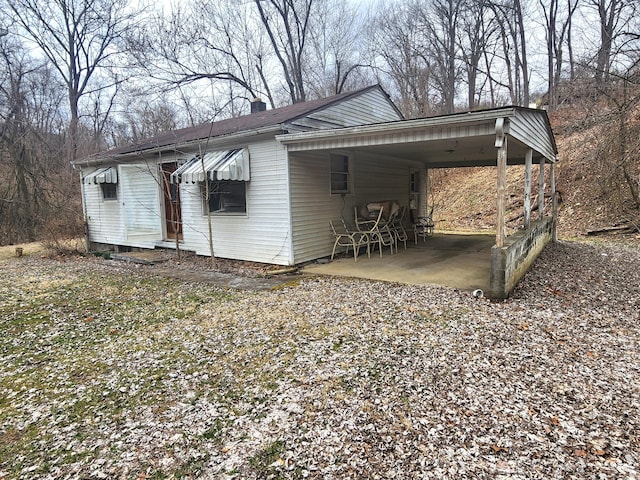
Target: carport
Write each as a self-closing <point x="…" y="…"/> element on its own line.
<point x="497" y="137"/>
<point x="461" y="261"/>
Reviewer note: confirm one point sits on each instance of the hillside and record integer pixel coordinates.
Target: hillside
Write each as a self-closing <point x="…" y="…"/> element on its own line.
<point x="593" y="189"/>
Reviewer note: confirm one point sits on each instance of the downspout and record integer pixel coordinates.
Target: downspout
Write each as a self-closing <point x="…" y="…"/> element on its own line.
<point x="289" y="209"/>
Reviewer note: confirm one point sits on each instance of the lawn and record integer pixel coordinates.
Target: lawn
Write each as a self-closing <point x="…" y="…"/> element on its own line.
<point x="111" y="371"/>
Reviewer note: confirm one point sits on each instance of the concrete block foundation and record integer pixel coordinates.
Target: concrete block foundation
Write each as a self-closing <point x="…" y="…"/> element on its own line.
<point x="510" y="262"/>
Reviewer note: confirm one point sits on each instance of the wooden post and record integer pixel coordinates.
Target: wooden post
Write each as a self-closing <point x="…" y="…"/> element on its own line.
<point x="554" y="201"/>
<point x="423" y="208"/>
<point x="541" y="192"/>
<point x="527" y="188"/>
<point x="501" y="145"/>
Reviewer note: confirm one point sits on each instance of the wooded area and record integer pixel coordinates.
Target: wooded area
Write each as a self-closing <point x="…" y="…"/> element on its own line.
<point x="80" y="76"/>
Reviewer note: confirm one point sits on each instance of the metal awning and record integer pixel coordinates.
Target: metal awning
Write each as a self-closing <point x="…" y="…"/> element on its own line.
<point x="220" y="165"/>
<point x="102" y="175"/>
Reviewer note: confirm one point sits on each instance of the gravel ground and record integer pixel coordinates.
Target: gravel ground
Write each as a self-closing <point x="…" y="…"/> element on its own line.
<point x="110" y="371"/>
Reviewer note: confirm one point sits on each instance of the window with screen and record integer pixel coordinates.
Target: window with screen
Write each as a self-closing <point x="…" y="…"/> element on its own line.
<point x="109" y="191"/>
<point x="226" y="196"/>
<point x="341" y="177"/>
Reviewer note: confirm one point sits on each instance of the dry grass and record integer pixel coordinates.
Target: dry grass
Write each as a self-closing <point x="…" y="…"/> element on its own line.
<point x="69" y="246"/>
<point x="111" y="371"/>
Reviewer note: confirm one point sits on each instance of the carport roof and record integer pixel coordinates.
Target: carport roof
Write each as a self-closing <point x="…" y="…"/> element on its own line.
<point x="456" y="140"/>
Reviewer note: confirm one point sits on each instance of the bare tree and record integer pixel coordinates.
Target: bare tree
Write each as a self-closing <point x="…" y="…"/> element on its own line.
<point x="475" y="34"/>
<point x="78" y="37"/>
<point x="288" y="25"/>
<point x="440" y="20"/>
<point x="557" y="27"/>
<point x="33" y="200"/>
<point x="614" y="18"/>
<point x="212" y="45"/>
<point x="510" y="17"/>
<point x="336" y="61"/>
<point x="398" y="37"/>
<point x="143" y="118"/>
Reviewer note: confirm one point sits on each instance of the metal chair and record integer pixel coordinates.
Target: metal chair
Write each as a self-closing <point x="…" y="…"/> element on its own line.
<point x="376" y="230"/>
<point x="424" y="227"/>
<point x="397" y="227"/>
<point x="349" y="239"/>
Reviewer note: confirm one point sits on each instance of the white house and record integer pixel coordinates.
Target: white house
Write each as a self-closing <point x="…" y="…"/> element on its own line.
<point x="144" y="195"/>
<point x="263" y="187"/>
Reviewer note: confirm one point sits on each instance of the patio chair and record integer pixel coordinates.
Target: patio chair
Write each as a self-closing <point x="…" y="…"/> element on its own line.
<point x="424" y="227"/>
<point x="349" y="239"/>
<point x="397" y="227"/>
<point x="377" y="230"/>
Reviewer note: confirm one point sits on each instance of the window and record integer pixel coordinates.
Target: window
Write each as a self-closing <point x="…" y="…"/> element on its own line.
<point x="226" y="196"/>
<point x="340" y="174"/>
<point x="109" y="191"/>
<point x="413" y="183"/>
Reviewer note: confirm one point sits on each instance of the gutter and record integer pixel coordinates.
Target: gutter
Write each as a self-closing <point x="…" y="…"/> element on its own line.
<point x="399" y="125"/>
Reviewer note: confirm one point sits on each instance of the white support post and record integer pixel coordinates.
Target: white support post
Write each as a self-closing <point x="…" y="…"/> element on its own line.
<point x="541" y="189"/>
<point x="554" y="201"/>
<point x="501" y="145"/>
<point x="423" y="201"/>
<point x="527" y="188"/>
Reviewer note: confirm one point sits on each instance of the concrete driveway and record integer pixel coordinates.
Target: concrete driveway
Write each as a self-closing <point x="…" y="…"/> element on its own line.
<point x="453" y="260"/>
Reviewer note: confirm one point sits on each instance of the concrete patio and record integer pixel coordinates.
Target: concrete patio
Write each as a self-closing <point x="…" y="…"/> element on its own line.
<point x="461" y="261"/>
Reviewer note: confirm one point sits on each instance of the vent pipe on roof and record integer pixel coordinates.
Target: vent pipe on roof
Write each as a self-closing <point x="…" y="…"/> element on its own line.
<point x="257" y="105"/>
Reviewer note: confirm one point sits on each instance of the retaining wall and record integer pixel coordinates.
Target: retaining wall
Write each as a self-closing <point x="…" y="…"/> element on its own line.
<point x="511" y="262"/>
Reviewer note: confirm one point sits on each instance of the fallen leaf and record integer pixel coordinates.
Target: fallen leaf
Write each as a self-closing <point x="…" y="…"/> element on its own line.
<point x="580" y="453"/>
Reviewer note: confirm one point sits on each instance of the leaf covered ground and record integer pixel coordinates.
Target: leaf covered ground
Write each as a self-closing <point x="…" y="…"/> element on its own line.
<point x="111" y="371"/>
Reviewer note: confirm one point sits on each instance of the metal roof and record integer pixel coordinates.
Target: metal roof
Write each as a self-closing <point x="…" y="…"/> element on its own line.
<point x="102" y="175"/>
<point x="220" y="165"/>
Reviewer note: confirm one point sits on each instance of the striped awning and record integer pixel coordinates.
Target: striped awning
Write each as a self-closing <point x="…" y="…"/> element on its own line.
<point x="102" y="175"/>
<point x="221" y="165"/>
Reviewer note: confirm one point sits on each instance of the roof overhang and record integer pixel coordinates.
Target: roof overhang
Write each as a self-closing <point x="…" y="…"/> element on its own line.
<point x="185" y="148"/>
<point x="457" y="140"/>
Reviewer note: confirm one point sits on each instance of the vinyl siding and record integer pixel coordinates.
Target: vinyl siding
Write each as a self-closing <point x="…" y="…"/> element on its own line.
<point x="104" y="217"/>
<point x="134" y="218"/>
<point x="312" y="205"/>
<point x="370" y="107"/>
<point x="262" y="235"/>
<point x="531" y="129"/>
